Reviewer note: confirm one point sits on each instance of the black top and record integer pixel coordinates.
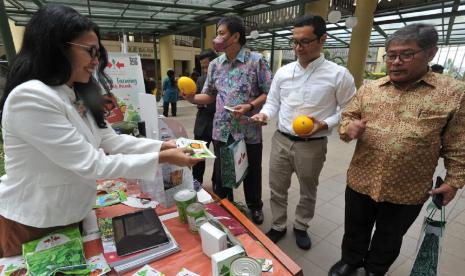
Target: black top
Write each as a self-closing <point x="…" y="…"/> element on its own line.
<point x="204" y="119"/>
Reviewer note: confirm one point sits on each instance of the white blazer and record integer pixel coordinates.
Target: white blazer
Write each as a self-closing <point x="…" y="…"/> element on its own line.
<point x="53" y="157"/>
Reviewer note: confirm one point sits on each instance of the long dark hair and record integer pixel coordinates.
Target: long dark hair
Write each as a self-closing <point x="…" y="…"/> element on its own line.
<point x="43" y="56"/>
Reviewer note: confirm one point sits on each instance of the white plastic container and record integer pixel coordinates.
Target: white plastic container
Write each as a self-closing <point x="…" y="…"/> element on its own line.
<point x="213" y="239"/>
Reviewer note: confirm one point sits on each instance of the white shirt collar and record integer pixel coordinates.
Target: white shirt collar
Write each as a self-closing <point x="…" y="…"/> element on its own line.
<point x="312" y="65"/>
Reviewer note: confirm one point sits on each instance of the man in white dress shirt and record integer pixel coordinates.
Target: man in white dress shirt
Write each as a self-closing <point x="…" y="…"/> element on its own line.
<point x="310" y="86"/>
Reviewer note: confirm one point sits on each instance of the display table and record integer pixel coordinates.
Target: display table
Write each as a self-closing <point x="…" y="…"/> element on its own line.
<point x="255" y="243"/>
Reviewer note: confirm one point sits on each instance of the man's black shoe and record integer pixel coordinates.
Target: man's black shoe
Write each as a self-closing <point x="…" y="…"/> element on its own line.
<point x="275" y="235"/>
<point x="257" y="216"/>
<point x="302" y="239"/>
<point x="341" y="269"/>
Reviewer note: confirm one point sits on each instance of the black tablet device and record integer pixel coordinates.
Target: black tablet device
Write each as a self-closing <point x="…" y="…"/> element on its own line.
<point x="138" y="231"/>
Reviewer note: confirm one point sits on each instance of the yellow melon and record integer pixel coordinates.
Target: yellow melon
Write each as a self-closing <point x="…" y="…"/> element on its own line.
<point x="302" y="125"/>
<point x="187" y="85"/>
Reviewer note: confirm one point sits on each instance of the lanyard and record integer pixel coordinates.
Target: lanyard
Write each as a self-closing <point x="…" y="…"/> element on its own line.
<point x="318" y="62"/>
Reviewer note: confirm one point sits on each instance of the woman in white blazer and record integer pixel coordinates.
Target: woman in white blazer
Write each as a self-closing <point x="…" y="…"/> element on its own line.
<point x="56" y="140"/>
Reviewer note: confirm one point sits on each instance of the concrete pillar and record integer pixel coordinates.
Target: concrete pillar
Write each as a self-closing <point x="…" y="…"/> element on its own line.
<point x="360" y="40"/>
<point x="202" y="38"/>
<point x="278" y="59"/>
<point x="319" y="7"/>
<point x="166" y="54"/>
<point x="210" y="33"/>
<point x="18" y="33"/>
<point x="155" y="71"/>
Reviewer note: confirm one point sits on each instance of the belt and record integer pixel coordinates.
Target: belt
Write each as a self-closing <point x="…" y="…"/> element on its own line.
<point x="300" y="139"/>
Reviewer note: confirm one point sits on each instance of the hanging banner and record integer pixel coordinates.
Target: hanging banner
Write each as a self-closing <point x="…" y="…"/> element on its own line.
<point x="125" y="70"/>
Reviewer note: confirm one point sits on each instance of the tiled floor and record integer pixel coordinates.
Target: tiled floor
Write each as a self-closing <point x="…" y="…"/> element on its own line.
<point x="326" y="228"/>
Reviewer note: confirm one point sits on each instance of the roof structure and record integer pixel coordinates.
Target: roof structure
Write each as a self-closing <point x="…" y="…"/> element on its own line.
<point x="390" y="15"/>
<point x="272" y="18"/>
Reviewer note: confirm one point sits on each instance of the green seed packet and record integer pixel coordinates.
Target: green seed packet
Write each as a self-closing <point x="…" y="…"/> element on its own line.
<point x="110" y="199"/>
<point x="60" y="251"/>
<point x="105" y="226"/>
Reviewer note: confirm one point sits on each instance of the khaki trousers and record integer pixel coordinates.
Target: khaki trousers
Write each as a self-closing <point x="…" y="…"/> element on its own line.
<point x="306" y="159"/>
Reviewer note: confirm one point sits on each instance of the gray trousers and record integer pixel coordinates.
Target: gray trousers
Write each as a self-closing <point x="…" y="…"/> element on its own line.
<point x="306" y="159"/>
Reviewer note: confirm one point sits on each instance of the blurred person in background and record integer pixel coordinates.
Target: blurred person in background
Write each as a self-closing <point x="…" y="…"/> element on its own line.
<point x="204" y="119"/>
<point x="170" y="93"/>
<point x="436" y="68"/>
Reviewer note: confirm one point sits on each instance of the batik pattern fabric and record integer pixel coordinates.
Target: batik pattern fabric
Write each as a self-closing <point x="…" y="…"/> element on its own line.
<point x="237" y="82"/>
<point x="407" y="131"/>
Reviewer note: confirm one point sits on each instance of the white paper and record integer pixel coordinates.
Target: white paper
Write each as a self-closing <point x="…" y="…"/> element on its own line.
<point x="140" y="203"/>
<point x="204" y="197"/>
<point x="147" y="270"/>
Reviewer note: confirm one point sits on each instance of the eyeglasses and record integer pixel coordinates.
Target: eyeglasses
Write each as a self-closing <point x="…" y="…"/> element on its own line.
<point x="404" y="56"/>
<point x="93" y="51"/>
<point x="302" y="43"/>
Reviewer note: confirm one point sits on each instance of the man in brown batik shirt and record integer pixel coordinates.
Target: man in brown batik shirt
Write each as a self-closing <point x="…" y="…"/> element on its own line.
<point x="403" y="124"/>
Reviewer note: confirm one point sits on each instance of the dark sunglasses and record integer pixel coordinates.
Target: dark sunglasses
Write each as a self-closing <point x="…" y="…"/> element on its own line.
<point x="93" y="51"/>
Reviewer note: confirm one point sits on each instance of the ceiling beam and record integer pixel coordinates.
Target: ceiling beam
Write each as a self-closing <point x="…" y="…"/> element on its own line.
<point x="276" y="7"/>
<point x="17" y="4"/>
<point x="88" y="8"/>
<point x="38" y="3"/>
<point x="132" y="8"/>
<point x="267" y="9"/>
<point x="12" y="12"/>
<point x="420" y="18"/>
<point x="380" y="31"/>
<point x="338" y="39"/>
<point x="166" y="5"/>
<point x="413" y="8"/>
<point x="452" y="20"/>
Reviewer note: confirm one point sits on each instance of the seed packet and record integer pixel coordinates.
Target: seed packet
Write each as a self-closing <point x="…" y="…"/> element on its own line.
<point x="198" y="146"/>
<point x="111" y="185"/>
<point x="110" y="199"/>
<point x="147" y="270"/>
<point x="12" y="266"/>
<point x="186" y="272"/>
<point x="97" y="265"/>
<point x="60" y="251"/>
<point x="267" y="264"/>
<point x="105" y="226"/>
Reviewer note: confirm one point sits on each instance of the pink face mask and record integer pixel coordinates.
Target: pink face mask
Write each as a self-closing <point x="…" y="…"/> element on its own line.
<point x="219" y="44"/>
